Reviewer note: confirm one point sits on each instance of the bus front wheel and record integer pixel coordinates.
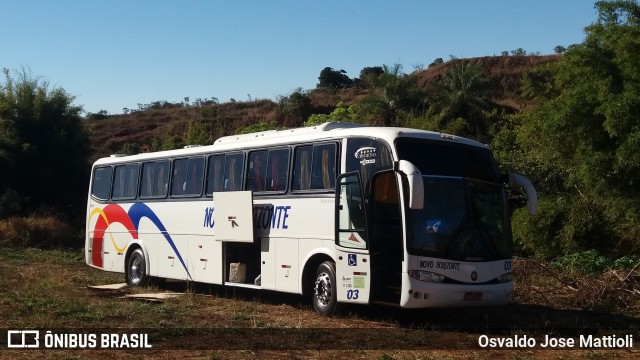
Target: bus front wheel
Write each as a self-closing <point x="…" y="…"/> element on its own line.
<point x="325" y="297"/>
<point x="136" y="269"/>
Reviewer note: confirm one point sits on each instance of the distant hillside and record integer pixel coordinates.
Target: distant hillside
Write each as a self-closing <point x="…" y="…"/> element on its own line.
<point x="505" y="72"/>
<point x="110" y="134"/>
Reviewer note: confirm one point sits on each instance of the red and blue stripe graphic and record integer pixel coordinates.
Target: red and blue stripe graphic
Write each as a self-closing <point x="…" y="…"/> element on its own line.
<point x="112" y="214"/>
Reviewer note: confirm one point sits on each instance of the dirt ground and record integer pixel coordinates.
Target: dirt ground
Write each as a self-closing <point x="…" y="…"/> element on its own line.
<point x="213" y="322"/>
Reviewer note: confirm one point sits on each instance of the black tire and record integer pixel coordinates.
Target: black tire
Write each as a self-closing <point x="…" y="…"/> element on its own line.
<point x="325" y="289"/>
<point x="136" y="269"/>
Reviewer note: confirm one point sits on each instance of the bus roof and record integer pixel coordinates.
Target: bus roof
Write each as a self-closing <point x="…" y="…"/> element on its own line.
<point x="271" y="134"/>
<point x="329" y="130"/>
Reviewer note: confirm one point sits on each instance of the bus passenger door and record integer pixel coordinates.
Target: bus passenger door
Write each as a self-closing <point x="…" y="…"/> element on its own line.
<point x="353" y="274"/>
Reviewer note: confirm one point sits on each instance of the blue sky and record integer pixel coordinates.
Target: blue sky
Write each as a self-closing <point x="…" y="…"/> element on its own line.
<point x="118" y="53"/>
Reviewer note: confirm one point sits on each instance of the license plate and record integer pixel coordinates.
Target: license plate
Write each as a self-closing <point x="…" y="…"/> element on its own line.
<point x="473" y="296"/>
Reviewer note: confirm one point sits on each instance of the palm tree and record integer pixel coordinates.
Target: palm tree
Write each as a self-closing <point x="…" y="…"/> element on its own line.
<point x="464" y="89"/>
<point x="395" y="91"/>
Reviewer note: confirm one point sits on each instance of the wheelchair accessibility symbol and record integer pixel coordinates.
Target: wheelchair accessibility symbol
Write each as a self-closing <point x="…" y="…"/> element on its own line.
<point x="352" y="260"/>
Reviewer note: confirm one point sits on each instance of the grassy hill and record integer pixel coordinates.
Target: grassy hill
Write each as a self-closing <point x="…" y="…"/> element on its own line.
<point x="109" y="135"/>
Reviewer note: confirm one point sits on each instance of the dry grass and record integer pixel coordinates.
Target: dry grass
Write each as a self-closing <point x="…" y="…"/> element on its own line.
<point x="47" y="290"/>
<point x="107" y="136"/>
<point x="615" y="291"/>
<point x="41" y="231"/>
<point x="505" y="72"/>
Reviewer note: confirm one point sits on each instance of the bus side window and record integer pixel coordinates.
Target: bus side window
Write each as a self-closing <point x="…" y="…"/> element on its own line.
<point x="148" y="175"/>
<point x="277" y="170"/>
<point x="302" y="168"/>
<point x="315" y="167"/>
<point x="132" y="180"/>
<point x="178" y="180"/>
<point x="215" y="174"/>
<point x="352" y="231"/>
<point x="256" y="171"/>
<point x="233" y="172"/>
<point x="118" y="182"/>
<point x="155" y="179"/>
<point x="187" y="177"/>
<point x="125" y="184"/>
<point x="195" y="175"/>
<point x="161" y="181"/>
<point x="102" y="183"/>
<point x="324" y="167"/>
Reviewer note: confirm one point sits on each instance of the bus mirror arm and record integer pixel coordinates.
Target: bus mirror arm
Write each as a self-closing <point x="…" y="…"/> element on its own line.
<point x="416" y="185"/>
<point x="529" y="189"/>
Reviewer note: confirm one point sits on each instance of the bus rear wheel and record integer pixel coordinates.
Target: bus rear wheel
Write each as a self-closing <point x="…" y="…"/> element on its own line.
<point x="325" y="296"/>
<point x="136" y="269"/>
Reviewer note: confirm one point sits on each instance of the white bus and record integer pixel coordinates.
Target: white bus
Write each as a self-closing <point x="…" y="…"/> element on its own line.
<point x="341" y="212"/>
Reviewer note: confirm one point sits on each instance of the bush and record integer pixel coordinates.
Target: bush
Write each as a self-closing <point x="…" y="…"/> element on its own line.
<point x="10" y="203"/>
<point x="41" y="231"/>
<point x="258" y="127"/>
<point x="537" y="236"/>
<point x="587" y="262"/>
<point x="626" y="262"/>
<point x="592" y="263"/>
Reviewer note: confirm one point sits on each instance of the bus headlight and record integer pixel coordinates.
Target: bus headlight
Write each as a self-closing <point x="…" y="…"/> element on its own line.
<point x="506" y="277"/>
<point x="426" y="276"/>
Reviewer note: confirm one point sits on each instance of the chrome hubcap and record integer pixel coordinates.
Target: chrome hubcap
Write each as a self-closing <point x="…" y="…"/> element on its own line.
<point x="323" y="289"/>
<point x="136" y="270"/>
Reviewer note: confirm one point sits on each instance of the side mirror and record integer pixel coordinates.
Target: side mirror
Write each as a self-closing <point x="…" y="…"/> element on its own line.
<point x="529" y="189"/>
<point x="416" y="185"/>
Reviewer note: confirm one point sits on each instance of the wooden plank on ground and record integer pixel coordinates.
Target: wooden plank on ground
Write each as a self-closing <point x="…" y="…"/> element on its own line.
<point x="109" y="287"/>
<point x="153" y="297"/>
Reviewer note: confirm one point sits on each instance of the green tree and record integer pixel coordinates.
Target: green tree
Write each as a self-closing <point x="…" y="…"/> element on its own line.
<point x="394" y="96"/>
<point x="43" y="147"/>
<point x="559" y="49"/>
<point x="581" y="145"/>
<point x="100" y="115"/>
<point x="436" y="62"/>
<point x="169" y="141"/>
<point x="370" y="76"/>
<point x="196" y="133"/>
<point x="334" y="79"/>
<point x="130" y="149"/>
<point x="342" y="112"/>
<point x="172" y="142"/>
<point x="464" y="99"/>
<point x="155" y="144"/>
<point x="295" y="108"/>
<point x="259" y="127"/>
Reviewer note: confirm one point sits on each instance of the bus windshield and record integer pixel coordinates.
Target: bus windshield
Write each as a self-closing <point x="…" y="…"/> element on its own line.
<point x="462" y="219"/>
<point x="465" y="213"/>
